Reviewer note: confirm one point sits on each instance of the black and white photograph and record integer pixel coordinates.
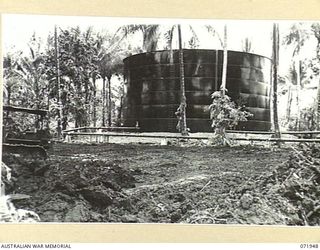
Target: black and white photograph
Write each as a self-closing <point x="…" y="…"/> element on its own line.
<point x="144" y="120"/>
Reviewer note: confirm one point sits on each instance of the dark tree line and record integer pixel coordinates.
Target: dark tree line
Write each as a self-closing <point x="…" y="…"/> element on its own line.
<point x="62" y="77"/>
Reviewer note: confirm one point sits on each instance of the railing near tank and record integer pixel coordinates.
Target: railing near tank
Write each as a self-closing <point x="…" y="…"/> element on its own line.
<point x="270" y="132"/>
<point x="105" y="137"/>
<point x="295" y="133"/>
<point x="129" y="129"/>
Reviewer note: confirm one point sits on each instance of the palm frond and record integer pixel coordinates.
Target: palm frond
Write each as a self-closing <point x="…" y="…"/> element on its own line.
<point x="211" y="30"/>
<point x="168" y="36"/>
<point x="194" y="39"/>
<point x="150" y="37"/>
<point x="32" y="52"/>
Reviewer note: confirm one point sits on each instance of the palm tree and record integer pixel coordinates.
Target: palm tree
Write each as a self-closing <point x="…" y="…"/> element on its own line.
<point x="298" y="89"/>
<point x="297" y="37"/>
<point x="316" y="31"/>
<point x="109" y="64"/>
<point x="275" y="57"/>
<point x="224" y="46"/>
<point x="57" y="62"/>
<point x="31" y="77"/>
<point x="290" y="80"/>
<point x="150" y="34"/>
<point x="225" y="61"/>
<point x="318" y="107"/>
<point x="246" y="45"/>
<point x="114" y="67"/>
<point x="94" y="99"/>
<point x="11" y="75"/>
<point x="183" y="99"/>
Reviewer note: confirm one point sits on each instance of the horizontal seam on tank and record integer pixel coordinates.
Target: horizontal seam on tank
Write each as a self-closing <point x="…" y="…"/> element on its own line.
<point x="191" y="104"/>
<point x="214" y="64"/>
<point x="161" y="78"/>
<point x="196" y="91"/>
<point x="193" y="118"/>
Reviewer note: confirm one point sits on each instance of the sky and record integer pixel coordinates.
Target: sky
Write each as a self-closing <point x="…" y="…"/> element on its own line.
<point x="18" y="29"/>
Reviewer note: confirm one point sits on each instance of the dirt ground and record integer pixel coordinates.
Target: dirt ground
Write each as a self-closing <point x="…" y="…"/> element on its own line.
<point x="141" y="183"/>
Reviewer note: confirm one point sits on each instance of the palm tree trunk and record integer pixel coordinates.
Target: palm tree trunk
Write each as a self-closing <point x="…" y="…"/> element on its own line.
<point x="109" y="101"/>
<point x="119" y="118"/>
<point x="275" y="57"/>
<point x="9" y="95"/>
<point x="58" y="83"/>
<point x="216" y="70"/>
<point x="103" y="102"/>
<point x="37" y="101"/>
<point x="8" y="100"/>
<point x="94" y="103"/>
<point x="298" y="93"/>
<point x="183" y="101"/>
<point x="225" y="62"/>
<point x="318" y="107"/>
<point x="289" y="103"/>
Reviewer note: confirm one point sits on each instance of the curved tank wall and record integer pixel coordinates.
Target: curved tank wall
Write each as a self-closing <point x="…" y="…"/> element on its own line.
<point x="153" y="88"/>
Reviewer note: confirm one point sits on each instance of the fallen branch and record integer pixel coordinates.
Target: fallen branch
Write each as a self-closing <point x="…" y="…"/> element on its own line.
<point x="208" y="183"/>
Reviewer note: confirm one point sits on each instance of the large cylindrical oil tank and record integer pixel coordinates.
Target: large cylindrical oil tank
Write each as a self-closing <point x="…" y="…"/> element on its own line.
<point x="153" y="88"/>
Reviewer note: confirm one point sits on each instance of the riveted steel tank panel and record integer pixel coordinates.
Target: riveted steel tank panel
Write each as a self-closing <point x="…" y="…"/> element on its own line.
<point x="153" y="88"/>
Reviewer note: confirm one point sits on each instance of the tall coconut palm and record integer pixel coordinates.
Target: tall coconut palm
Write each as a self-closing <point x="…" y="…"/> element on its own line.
<point x="94" y="99"/>
<point x="77" y="62"/>
<point x="246" y="45"/>
<point x="224" y="45"/>
<point x="57" y="62"/>
<point x="181" y="111"/>
<point x="31" y="78"/>
<point x="110" y="63"/>
<point x="275" y="57"/>
<point x="11" y="76"/>
<point x="225" y="61"/>
<point x="298" y="90"/>
<point x="183" y="99"/>
<point x="315" y="27"/>
<point x="318" y="106"/>
<point x="297" y="37"/>
<point x="108" y="48"/>
<point x="289" y="79"/>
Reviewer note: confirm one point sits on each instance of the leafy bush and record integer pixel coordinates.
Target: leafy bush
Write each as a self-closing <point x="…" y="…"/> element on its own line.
<point x="15" y="124"/>
<point x="308" y="120"/>
<point x="224" y="114"/>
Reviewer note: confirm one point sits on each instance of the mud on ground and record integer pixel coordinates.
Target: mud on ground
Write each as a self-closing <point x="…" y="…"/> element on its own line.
<point x="150" y="184"/>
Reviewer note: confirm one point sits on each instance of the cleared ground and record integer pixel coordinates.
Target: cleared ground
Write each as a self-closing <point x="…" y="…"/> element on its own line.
<point x="148" y="183"/>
